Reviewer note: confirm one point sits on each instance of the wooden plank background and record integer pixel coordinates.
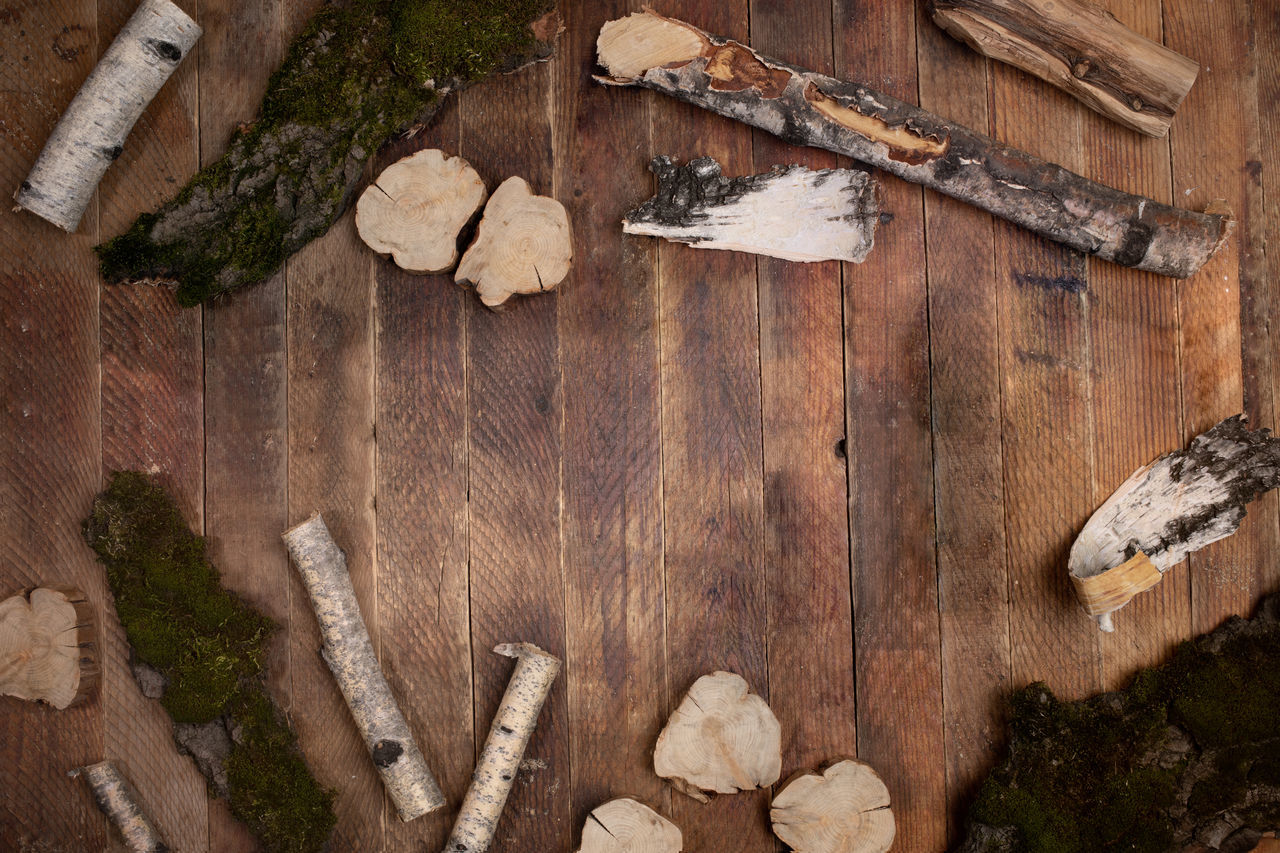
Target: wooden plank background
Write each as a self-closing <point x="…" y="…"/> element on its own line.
<point x="853" y="484"/>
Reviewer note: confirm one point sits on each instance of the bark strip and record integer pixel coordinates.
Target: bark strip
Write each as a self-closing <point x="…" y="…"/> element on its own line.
<point x="91" y="133"/>
<point x="119" y="801"/>
<point x="504" y="748"/>
<point x="806" y="108"/>
<point x="349" y="654"/>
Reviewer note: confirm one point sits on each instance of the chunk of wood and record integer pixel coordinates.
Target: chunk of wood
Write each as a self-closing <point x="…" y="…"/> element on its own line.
<point x="523" y="245"/>
<point x="509" y="735"/>
<point x="91" y="133"/>
<point x="119" y="801"/>
<point x="806" y="108"/>
<point x="349" y="654"/>
<point x="843" y="810"/>
<point x="721" y="738"/>
<point x="1168" y="508"/>
<point x="627" y="826"/>
<point x="47" y="647"/>
<point x="791" y="212"/>
<point x="1080" y="48"/>
<point x="415" y="209"/>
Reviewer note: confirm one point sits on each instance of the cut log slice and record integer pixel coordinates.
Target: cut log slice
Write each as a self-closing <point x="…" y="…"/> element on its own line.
<point x="523" y="245"/>
<point x="791" y="212"/>
<point x="47" y="647"/>
<point x="414" y="210"/>
<point x="843" y="810"/>
<point x="627" y="826"/>
<point x="722" y="738"/>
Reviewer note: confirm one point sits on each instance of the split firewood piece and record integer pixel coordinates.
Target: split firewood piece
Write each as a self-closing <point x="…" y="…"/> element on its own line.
<point x="791" y="212"/>
<point x="1165" y="510"/>
<point x="91" y="133"/>
<point x="806" y="108"/>
<point x="843" y="810"/>
<point x="523" y="245"/>
<point x="627" y="826"/>
<point x="1080" y="48"/>
<point x="47" y="647"/>
<point x="512" y="727"/>
<point x="349" y="654"/>
<point x="119" y="801"/>
<point x="414" y="210"/>
<point x="722" y="738"/>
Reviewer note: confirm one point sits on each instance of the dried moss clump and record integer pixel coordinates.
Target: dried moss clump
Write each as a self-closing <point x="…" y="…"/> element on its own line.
<point x="360" y="71"/>
<point x="1187" y="758"/>
<point x="209" y="648"/>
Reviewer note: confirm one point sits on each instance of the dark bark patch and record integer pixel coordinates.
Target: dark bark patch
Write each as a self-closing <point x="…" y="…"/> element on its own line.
<point x="165" y="50"/>
<point x="386" y="753"/>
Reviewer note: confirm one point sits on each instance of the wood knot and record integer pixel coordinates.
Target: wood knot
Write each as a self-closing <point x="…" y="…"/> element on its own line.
<point x="1080" y="68"/>
<point x="386" y="752"/>
<point x="1136" y="104"/>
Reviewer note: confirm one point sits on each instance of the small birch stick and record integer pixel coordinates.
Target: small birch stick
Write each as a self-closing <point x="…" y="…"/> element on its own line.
<point x="508" y="736"/>
<point x="91" y="133"/>
<point x="349" y="654"/>
<point x="119" y="801"/>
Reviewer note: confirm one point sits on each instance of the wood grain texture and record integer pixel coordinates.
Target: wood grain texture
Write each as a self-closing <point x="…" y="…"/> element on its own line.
<point x="514" y="419"/>
<point x="612" y="519"/>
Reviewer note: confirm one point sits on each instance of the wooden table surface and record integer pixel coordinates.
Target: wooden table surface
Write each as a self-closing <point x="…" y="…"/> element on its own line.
<point x="854" y="485"/>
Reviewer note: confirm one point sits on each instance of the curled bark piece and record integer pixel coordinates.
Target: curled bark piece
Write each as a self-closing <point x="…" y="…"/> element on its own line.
<point x="1168" y="508"/>
<point x="414" y="210"/>
<point x="806" y="108"/>
<point x="523" y="245"/>
<point x="91" y="133"/>
<point x="349" y="654"/>
<point x="627" y="826"/>
<point x="791" y="212"/>
<point x="843" y="810"/>
<point x="119" y="801"/>
<point x="721" y="738"/>
<point x="1080" y="48"/>
<point x="512" y="727"/>
<point x="47" y="647"/>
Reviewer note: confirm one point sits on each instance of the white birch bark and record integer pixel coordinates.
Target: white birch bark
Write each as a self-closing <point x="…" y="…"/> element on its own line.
<point x="119" y="801"/>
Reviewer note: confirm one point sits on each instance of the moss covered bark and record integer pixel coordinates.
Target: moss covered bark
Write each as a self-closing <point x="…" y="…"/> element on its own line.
<point x="360" y="71"/>
<point x="209" y="648"/>
<point x="1187" y="758"/>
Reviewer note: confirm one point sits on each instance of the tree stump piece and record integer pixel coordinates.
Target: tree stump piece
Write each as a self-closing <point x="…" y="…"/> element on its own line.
<point x="843" y="810"/>
<point x="627" y="826"/>
<point x="47" y="647"/>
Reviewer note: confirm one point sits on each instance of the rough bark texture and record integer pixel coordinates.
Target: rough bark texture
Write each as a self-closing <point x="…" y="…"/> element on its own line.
<point x="844" y="809"/>
<point x="791" y="212"/>
<point x="513" y="725"/>
<point x="806" y="108"/>
<point x="361" y="71"/>
<point x="1177" y="504"/>
<point x="91" y="133"/>
<point x="1186" y="759"/>
<point x="1080" y="48"/>
<point x="119" y="801"/>
<point x="47" y="649"/>
<point x="349" y="654"/>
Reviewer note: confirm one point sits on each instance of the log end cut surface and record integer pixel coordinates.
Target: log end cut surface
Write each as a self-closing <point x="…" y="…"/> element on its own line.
<point x="46" y="647"/>
<point x="627" y="826"/>
<point x="843" y="810"/>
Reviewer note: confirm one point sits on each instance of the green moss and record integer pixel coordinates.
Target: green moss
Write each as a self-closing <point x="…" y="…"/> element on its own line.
<point x="210" y="647"/>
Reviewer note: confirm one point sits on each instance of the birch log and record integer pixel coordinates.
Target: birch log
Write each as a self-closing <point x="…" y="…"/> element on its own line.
<point x="119" y="801"/>
<point x="791" y="212"/>
<point x="806" y="108"/>
<point x="504" y="747"/>
<point x="349" y="654"/>
<point x="1080" y="48"/>
<point x="91" y="133"/>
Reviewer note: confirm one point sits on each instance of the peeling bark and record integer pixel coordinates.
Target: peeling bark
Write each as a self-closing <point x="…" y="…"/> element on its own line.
<point x="119" y="801"/>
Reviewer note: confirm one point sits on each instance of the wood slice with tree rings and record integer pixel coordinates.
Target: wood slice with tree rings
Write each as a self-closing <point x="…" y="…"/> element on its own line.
<point x="843" y="810"/>
<point x="415" y="209"/>
<point x="722" y="738"/>
<point x="627" y="826"/>
<point x="47" y="647"/>
<point x="523" y="245"/>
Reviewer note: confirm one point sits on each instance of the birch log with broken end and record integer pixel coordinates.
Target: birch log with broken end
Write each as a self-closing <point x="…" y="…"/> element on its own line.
<point x="512" y="727"/>
<point x="1080" y="48"/>
<point x="349" y="654"/>
<point x="1165" y="510"/>
<point x="91" y="133"/>
<point x="47" y="647"/>
<point x="791" y="212"/>
<point x="806" y="108"/>
<point x="118" y="800"/>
